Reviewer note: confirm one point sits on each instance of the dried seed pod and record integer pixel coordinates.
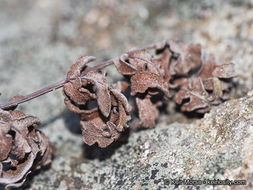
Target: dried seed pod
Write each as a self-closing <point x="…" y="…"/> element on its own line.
<point x="103" y="123"/>
<point x="23" y="148"/>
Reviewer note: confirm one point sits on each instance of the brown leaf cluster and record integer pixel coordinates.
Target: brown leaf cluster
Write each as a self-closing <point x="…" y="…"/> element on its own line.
<point x="103" y="109"/>
<point x="194" y="77"/>
<point x="148" y="79"/>
<point x="23" y="149"/>
<point x="156" y="74"/>
<point x="200" y="79"/>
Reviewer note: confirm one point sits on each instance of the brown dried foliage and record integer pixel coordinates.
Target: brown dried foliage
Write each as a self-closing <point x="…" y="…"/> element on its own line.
<point x="148" y="79"/>
<point x="103" y="109"/>
<point x="23" y="148"/>
<point x="199" y="78"/>
<point x="193" y="78"/>
<point x="156" y="74"/>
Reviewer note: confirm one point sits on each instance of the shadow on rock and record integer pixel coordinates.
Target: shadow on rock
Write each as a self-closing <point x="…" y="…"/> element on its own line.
<point x="72" y="122"/>
<point x="95" y="152"/>
<point x="189" y="115"/>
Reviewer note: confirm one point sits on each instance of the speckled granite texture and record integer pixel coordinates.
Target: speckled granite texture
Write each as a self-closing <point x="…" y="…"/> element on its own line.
<point x="39" y="40"/>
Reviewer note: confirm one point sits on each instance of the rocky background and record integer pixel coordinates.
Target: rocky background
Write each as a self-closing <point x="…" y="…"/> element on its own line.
<point x="40" y="40"/>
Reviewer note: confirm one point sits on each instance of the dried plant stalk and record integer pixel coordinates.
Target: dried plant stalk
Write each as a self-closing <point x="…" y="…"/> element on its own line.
<point x="156" y="73"/>
<point x="185" y="73"/>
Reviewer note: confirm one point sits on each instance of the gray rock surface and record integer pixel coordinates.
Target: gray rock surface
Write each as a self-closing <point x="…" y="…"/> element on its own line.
<point x="215" y="147"/>
<point x="39" y="40"/>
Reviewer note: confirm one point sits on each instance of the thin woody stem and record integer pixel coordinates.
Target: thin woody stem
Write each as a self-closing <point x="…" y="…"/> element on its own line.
<point x="60" y="84"/>
<point x="50" y="88"/>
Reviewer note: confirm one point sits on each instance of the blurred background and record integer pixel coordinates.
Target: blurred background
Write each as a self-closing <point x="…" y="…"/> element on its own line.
<point x="40" y="40"/>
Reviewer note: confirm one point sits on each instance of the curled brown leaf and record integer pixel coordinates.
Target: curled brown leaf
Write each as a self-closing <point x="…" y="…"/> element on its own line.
<point x="104" y="110"/>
